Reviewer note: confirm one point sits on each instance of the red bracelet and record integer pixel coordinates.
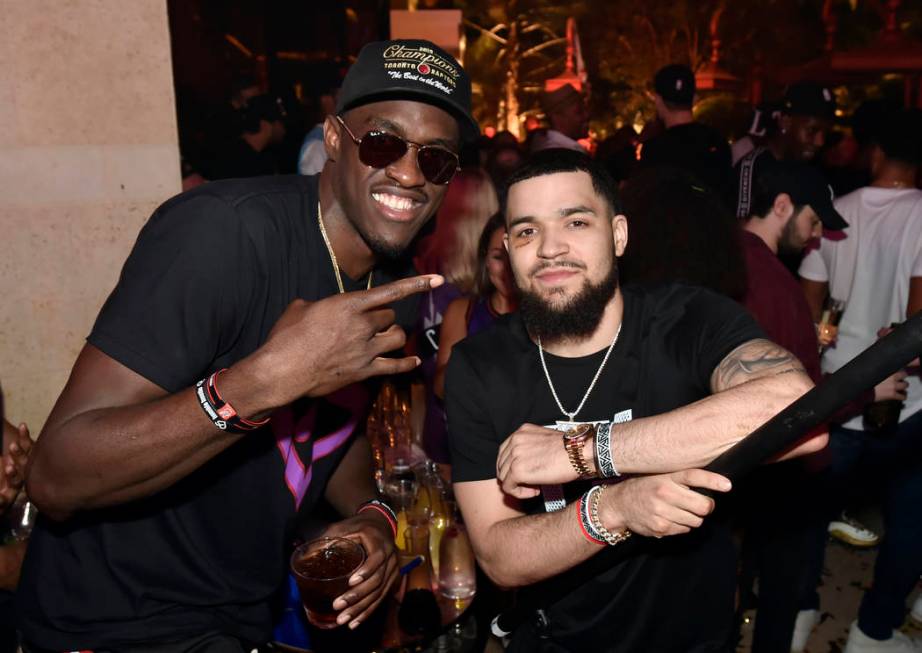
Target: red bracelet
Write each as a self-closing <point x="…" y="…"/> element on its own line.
<point x="387" y="515"/>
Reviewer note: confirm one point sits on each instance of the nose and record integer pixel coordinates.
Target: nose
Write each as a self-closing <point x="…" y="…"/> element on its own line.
<point x="551" y="244"/>
<point x="820" y="139"/>
<point x="405" y="170"/>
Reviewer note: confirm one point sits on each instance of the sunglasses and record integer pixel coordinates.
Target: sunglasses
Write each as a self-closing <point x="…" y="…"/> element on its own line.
<point x="379" y="149"/>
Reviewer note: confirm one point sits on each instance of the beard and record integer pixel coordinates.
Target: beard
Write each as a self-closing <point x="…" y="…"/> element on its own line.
<point x="789" y="244"/>
<point x="577" y="319"/>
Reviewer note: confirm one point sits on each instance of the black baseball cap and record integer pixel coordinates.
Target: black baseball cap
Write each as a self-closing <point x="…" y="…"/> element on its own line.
<point x="410" y="69"/>
<point x="805" y="184"/>
<point x="675" y="83"/>
<point x="808" y="99"/>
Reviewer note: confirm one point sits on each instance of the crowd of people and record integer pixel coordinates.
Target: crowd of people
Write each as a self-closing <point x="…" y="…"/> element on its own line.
<point x="592" y="324"/>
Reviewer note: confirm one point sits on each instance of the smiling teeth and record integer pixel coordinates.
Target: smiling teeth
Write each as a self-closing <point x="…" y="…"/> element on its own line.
<point x="393" y="201"/>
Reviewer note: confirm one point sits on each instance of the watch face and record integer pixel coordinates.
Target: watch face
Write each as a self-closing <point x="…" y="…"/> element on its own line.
<point x="579" y="432"/>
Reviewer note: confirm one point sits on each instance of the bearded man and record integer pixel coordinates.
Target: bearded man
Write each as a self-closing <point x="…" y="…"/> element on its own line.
<point x="669" y="376"/>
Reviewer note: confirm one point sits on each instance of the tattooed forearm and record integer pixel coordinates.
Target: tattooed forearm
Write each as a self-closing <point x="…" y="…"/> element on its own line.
<point x="753" y="360"/>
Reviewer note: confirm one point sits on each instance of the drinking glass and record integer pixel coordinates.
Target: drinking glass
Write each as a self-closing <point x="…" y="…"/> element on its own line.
<point x="457" y="571"/>
<point x="828" y="328"/>
<point x="322" y="569"/>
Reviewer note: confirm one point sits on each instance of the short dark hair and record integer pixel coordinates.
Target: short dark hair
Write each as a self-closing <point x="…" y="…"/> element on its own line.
<point x="556" y="160"/>
<point x="899" y="136"/>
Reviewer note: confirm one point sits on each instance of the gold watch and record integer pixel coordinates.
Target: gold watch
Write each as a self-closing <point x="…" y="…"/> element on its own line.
<point x="573" y="441"/>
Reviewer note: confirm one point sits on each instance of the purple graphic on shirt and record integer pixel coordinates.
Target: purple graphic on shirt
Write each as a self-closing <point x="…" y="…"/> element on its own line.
<point x="290" y="429"/>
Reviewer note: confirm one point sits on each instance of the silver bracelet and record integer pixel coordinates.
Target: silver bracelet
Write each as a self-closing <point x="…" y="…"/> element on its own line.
<point x="607" y="467"/>
<point x="612" y="539"/>
<point x="586" y="516"/>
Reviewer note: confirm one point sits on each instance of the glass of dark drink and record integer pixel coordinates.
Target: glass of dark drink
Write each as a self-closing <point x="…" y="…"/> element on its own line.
<point x="322" y="569"/>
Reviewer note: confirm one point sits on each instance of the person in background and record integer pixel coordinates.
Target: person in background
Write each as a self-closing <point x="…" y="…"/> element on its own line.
<point x="16" y="447"/>
<point x="567" y="117"/>
<point x="313" y="154"/>
<point x="877" y="271"/>
<point x="618" y="153"/>
<point x="790" y="201"/>
<point x="494" y="295"/>
<point x="681" y="231"/>
<point x="798" y="132"/>
<point x="685" y="143"/>
<point x="249" y="154"/>
<point x="451" y="250"/>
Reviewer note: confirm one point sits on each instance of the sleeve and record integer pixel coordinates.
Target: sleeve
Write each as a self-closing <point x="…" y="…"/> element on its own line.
<point x="916" y="270"/>
<point x="177" y="302"/>
<point x="313" y="157"/>
<point x="472" y="439"/>
<point x="813" y="266"/>
<point x="714" y="325"/>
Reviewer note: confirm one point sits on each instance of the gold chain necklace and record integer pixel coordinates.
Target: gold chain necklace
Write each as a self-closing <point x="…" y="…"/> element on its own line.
<point x="326" y="241"/>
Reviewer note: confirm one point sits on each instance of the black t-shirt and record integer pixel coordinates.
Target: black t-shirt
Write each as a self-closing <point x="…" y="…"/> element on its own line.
<point x="696" y="148"/>
<point x="210" y="274"/>
<point x="673" y="594"/>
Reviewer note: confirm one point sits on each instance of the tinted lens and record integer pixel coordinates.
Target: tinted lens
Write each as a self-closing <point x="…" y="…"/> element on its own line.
<point x="437" y="165"/>
<point x="379" y="150"/>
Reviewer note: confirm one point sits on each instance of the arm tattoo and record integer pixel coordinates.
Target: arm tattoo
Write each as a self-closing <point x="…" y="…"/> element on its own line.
<point x="753" y="360"/>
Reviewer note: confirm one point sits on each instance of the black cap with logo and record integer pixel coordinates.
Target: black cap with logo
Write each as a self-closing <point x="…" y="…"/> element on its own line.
<point x="410" y="69"/>
<point x="808" y="99"/>
<point x="805" y="185"/>
<point x="675" y="83"/>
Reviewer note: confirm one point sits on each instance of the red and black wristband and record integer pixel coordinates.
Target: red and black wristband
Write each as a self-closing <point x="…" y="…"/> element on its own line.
<point x="220" y="412"/>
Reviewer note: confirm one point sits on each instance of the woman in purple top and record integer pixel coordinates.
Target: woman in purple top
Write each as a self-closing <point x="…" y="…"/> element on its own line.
<point x="495" y="296"/>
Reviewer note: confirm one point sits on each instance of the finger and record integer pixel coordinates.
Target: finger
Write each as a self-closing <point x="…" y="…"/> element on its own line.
<point x="24" y="431"/>
<point x="374" y="601"/>
<point x="703" y="479"/>
<point x="393" y="339"/>
<point x="678" y="516"/>
<point x="502" y="462"/>
<point x="382" y="366"/>
<point x="524" y="492"/>
<point x="381" y="318"/>
<point x="396" y="290"/>
<point x="360" y="597"/>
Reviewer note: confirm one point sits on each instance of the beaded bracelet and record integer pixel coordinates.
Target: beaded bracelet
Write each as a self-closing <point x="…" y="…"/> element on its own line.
<point x="585" y="523"/>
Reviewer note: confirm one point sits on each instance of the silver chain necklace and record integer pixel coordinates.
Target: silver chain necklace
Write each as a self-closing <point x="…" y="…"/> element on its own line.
<point x="598" y="373"/>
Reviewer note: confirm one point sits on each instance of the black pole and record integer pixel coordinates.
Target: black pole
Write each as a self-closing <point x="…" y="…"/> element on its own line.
<point x="888" y="355"/>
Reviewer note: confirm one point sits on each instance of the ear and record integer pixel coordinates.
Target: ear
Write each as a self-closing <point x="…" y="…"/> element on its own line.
<point x="783" y="207"/>
<point x="619" y="233"/>
<point x="332" y="137"/>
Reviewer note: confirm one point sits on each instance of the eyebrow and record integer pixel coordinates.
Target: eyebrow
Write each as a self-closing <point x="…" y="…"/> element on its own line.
<point x="563" y="213"/>
<point x="388" y="125"/>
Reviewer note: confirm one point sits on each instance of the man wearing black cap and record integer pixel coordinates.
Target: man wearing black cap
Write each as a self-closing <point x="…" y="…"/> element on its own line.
<point x="798" y="132"/>
<point x="568" y="120"/>
<point x="218" y="396"/>
<point x="790" y="202"/>
<point x="685" y="144"/>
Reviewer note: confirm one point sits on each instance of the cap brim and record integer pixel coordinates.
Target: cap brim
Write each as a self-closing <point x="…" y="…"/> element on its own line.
<point x="469" y="129"/>
<point x="830" y="218"/>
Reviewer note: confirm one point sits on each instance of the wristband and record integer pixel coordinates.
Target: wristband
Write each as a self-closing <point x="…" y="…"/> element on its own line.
<point x="585" y="523"/>
<point x="593" y="497"/>
<point x="220" y="412"/>
<point x="605" y="466"/>
<point x="384" y="509"/>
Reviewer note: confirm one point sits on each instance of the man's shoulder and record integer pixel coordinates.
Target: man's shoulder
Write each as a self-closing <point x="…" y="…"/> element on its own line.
<point x="499" y="344"/>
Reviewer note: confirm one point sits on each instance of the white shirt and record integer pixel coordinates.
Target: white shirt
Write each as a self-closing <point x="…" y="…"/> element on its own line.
<point x="870" y="271"/>
<point x="553" y="138"/>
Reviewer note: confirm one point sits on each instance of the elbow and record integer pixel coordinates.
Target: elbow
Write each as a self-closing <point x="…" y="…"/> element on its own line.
<point x="46" y="495"/>
<point x="792" y="387"/>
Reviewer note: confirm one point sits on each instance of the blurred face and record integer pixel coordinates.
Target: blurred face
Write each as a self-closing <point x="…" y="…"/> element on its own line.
<point x="805" y="135"/>
<point x="388" y="206"/>
<point x="498" y="269"/>
<point x="799" y="230"/>
<point x="562" y="241"/>
<point x="572" y="120"/>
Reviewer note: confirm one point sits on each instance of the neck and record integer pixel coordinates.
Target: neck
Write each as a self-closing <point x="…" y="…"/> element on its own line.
<point x="501" y="304"/>
<point x="761" y="228"/>
<point x="894" y="175"/>
<point x="354" y="256"/>
<point x="675" y="118"/>
<point x="601" y="337"/>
